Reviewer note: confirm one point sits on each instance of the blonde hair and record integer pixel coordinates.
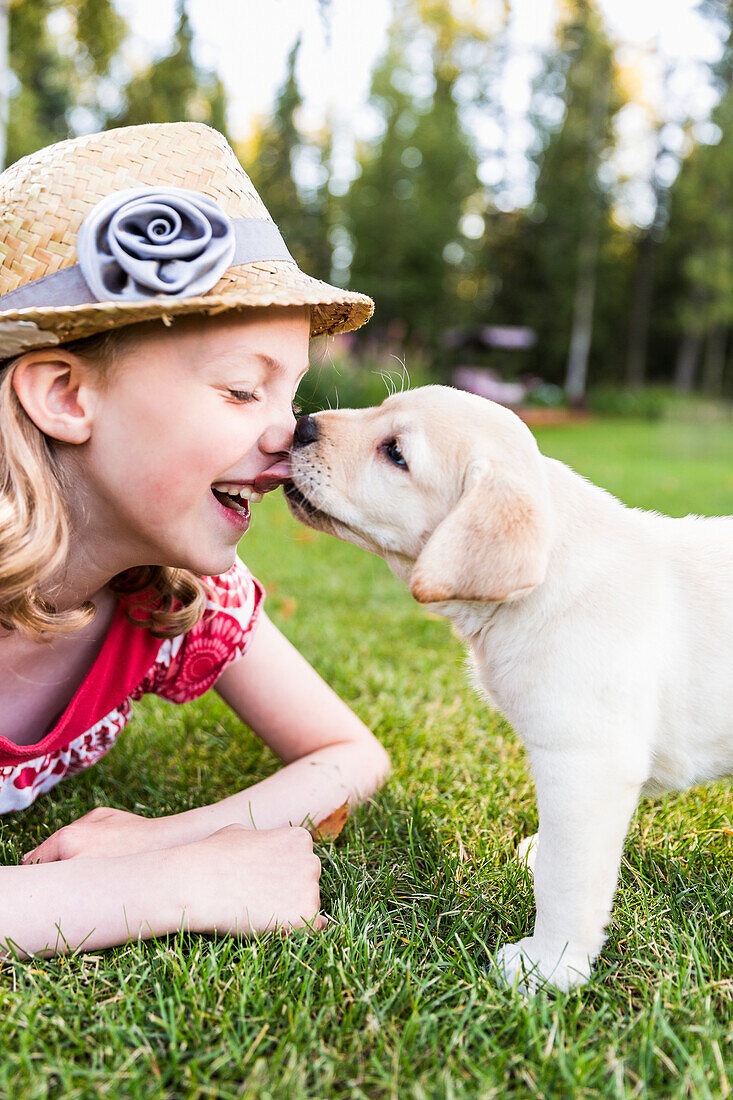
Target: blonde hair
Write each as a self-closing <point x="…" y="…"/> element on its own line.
<point x="34" y="526"/>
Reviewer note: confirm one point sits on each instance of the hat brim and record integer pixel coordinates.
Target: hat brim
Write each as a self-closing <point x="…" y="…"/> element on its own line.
<point x="271" y="283"/>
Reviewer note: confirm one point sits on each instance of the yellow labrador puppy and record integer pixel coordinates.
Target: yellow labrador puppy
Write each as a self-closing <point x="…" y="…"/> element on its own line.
<point x="604" y="634"/>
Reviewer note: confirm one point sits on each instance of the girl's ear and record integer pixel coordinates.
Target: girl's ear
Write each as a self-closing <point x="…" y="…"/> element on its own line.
<point x="54" y="389"/>
<point x="494" y="545"/>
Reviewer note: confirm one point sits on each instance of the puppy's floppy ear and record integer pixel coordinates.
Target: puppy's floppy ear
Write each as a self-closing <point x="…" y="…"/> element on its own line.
<point x="493" y="546"/>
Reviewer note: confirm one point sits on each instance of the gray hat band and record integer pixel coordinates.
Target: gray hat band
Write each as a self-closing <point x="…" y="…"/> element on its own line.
<point x="256" y="240"/>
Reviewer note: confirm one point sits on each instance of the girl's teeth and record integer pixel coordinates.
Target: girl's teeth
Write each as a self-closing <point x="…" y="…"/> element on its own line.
<point x="249" y="493"/>
<point x="245" y="492"/>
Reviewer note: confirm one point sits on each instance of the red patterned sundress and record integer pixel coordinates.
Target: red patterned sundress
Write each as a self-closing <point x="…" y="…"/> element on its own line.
<point x="130" y="664"/>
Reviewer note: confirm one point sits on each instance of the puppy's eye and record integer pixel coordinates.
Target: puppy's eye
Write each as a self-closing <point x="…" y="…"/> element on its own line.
<point x="392" y="450"/>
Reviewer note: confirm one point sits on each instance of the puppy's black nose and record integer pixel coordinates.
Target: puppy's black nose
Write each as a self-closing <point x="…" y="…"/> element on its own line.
<point x="306" y="431"/>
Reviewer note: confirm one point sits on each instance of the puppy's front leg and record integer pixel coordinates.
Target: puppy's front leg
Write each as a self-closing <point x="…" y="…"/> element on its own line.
<point x="585" y="802"/>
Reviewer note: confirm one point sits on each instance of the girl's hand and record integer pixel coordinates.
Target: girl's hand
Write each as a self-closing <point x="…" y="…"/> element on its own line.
<point x="237" y="880"/>
<point x="243" y="881"/>
<point x="104" y="831"/>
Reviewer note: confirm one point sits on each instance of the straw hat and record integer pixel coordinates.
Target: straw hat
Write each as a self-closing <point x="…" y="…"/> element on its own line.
<point x="140" y="223"/>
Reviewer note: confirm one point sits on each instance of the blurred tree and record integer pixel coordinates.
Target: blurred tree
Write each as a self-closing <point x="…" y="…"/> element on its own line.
<point x="645" y="259"/>
<point x="700" y="246"/>
<point x="570" y="221"/>
<point x="174" y="87"/>
<point x="277" y="150"/>
<point x="672" y="128"/>
<point x="59" y="53"/>
<point x="4" y="78"/>
<point x="647" y="240"/>
<point x="409" y="213"/>
<point x="696" y="256"/>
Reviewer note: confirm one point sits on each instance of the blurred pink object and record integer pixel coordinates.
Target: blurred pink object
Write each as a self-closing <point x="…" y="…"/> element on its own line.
<point x="487" y="383"/>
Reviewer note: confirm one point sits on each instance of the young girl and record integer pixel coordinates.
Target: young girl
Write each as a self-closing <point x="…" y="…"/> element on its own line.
<point x="153" y="332"/>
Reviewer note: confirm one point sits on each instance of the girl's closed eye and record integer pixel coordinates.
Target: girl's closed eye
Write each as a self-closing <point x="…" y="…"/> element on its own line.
<point x="243" y="396"/>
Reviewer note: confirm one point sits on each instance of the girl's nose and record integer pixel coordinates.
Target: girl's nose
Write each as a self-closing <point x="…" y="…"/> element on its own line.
<point x="278" y="437"/>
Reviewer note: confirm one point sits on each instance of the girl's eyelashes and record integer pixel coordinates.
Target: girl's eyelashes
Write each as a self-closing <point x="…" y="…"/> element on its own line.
<point x="243" y="396"/>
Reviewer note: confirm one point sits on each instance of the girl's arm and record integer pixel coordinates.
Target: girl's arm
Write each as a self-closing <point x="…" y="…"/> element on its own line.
<point x="236" y="881"/>
<point x="330" y="755"/>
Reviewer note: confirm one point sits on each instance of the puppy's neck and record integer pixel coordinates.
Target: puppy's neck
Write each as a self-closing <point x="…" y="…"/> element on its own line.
<point x="469" y="617"/>
<point x="400" y="565"/>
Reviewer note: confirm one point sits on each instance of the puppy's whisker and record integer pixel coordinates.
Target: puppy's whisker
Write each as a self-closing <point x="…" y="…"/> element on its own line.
<point x="387" y="381"/>
<point x="404" y="374"/>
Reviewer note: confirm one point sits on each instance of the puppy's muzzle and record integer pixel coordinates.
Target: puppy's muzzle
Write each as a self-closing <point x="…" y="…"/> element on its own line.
<point x="306" y="431"/>
<point x="295" y="498"/>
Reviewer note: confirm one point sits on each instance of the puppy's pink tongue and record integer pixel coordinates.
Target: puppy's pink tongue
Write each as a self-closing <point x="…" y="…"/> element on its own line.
<point x="273" y="476"/>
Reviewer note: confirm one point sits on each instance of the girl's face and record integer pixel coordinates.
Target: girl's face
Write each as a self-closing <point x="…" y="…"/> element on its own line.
<point x="207" y="403"/>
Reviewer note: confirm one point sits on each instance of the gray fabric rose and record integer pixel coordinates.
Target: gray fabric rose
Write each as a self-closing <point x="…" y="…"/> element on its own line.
<point x="151" y="241"/>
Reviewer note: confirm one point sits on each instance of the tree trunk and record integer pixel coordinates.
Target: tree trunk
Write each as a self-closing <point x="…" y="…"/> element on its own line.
<point x="685" y="367"/>
<point x="714" y="365"/>
<point x="640" y="312"/>
<point x="585" y="291"/>
<point x="582" y="331"/>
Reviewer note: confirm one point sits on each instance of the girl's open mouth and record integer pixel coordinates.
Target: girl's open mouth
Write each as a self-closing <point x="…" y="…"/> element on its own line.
<point x="235" y="508"/>
<point x="236" y="502"/>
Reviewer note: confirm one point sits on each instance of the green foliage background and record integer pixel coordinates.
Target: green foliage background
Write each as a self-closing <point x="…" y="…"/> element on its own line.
<point x="420" y="225"/>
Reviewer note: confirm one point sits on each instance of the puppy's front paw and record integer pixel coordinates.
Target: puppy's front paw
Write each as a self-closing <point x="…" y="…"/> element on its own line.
<point x="527" y="966"/>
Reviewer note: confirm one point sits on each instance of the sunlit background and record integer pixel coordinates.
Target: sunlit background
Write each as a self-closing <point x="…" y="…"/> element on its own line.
<point x="536" y="193"/>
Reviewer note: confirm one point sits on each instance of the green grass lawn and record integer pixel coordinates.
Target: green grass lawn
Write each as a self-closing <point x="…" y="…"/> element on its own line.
<point x="393" y="1001"/>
